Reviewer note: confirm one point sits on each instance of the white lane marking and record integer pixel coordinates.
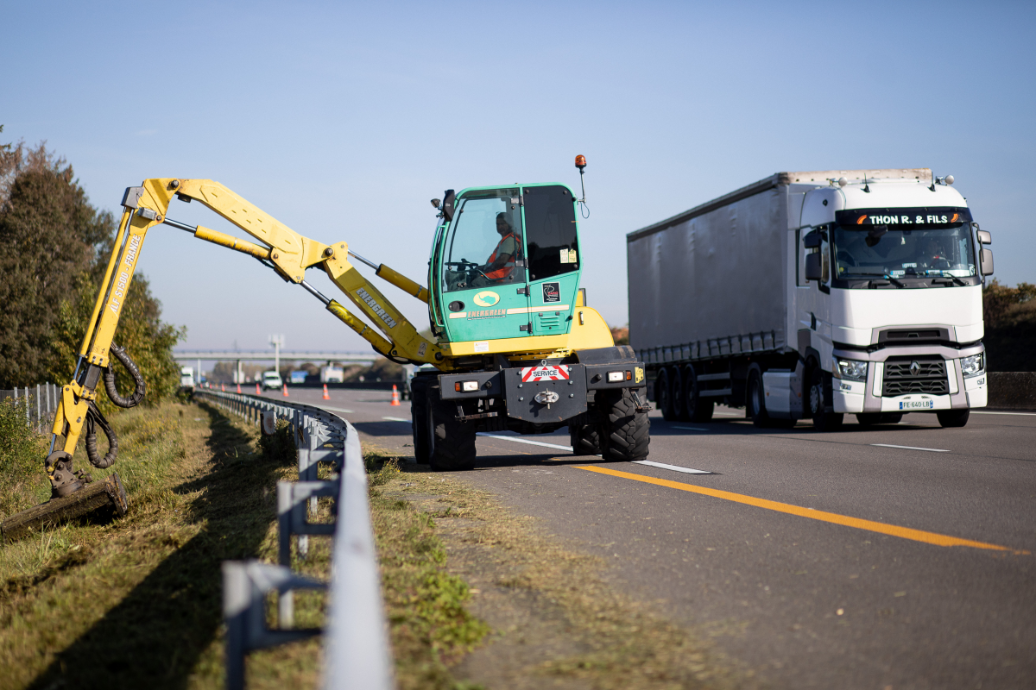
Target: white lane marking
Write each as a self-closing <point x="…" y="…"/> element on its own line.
<point x="931" y="450"/>
<point x="398" y="419"/>
<point x="522" y="440"/>
<point x="1016" y="414"/>
<point x="336" y="409"/>
<point x="692" y="428"/>
<point x="674" y="468"/>
<point x="728" y="414"/>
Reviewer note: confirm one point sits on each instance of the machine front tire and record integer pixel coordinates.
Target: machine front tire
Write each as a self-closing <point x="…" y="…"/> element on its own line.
<point x="452" y="441"/>
<point x="625" y="432"/>
<point x="953" y="418"/>
<point x="420" y="421"/>
<point x="819" y="399"/>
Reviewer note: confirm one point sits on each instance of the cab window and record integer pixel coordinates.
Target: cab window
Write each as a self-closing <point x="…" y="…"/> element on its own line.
<point x="484" y="245"/>
<point x="550" y="232"/>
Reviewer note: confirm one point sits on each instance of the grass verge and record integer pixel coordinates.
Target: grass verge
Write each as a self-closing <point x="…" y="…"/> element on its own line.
<point x="137" y="602"/>
<point x="555" y="621"/>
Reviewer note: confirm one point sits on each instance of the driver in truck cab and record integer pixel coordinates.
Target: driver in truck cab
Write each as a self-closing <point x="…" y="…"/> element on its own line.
<point x="502" y="261"/>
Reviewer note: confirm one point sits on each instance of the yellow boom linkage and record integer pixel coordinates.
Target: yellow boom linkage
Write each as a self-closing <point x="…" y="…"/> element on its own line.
<point x="281" y="248"/>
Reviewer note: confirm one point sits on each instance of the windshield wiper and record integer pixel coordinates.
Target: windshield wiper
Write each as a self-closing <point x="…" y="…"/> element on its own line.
<point x="952" y="280"/>
<point x="883" y="275"/>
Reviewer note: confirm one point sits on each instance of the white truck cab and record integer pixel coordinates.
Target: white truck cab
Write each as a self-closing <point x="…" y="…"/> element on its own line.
<point x="890" y="299"/>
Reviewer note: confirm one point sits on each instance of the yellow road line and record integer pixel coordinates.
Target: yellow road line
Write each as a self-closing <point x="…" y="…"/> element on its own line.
<point x="835" y="518"/>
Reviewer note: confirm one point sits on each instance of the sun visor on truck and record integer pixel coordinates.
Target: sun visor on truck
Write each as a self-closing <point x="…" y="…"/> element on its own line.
<point x="929" y="215"/>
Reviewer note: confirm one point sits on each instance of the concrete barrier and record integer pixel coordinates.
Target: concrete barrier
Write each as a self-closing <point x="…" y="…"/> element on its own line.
<point x="1012" y="390"/>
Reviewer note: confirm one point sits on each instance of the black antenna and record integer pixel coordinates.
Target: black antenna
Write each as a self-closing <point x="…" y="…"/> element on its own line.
<point x="866" y="185"/>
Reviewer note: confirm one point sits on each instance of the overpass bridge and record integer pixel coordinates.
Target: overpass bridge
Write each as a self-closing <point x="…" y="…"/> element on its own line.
<point x="239" y="356"/>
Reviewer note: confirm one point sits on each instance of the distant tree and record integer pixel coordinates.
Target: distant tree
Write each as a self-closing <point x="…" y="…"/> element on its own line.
<point x="621" y="335"/>
<point x="56" y="249"/>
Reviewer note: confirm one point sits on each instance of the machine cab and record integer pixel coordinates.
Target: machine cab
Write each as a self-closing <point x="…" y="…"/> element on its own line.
<point x="507" y="264"/>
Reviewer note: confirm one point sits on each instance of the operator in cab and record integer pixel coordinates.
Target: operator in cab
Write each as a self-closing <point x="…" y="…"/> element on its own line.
<point x="502" y="261"/>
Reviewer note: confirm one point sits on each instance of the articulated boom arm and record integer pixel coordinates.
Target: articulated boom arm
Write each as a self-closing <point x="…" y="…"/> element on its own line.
<point x="282" y="249"/>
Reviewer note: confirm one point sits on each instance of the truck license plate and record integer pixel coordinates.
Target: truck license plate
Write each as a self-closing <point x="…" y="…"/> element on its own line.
<point x="916" y="404"/>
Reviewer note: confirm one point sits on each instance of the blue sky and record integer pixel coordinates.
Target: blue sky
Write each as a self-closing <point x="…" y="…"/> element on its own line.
<point x="343" y="120"/>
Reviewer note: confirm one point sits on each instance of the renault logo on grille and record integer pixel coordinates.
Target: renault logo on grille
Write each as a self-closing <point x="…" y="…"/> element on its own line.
<point x="915" y="368"/>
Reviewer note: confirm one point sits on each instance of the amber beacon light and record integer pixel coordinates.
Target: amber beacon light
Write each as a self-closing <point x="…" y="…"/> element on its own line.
<point x="580" y="162"/>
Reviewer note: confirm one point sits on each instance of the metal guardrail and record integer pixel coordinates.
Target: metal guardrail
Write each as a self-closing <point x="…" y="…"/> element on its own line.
<point x="356" y="648"/>
<point x="38" y="402"/>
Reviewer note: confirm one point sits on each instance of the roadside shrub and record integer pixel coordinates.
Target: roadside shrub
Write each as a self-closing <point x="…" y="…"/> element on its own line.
<point x="22" y="451"/>
<point x="280" y="445"/>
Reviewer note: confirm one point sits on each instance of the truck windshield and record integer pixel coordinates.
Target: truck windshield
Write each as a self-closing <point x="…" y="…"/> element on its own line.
<point x="903" y="253"/>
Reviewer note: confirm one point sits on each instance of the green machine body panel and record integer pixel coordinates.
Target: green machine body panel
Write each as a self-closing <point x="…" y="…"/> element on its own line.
<point x="475" y="298"/>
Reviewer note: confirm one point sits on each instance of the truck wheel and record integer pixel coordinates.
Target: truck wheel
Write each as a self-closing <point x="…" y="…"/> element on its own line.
<point x="953" y="418"/>
<point x="824" y="419"/>
<point x="696" y="408"/>
<point x="664" y="395"/>
<point x="676" y="386"/>
<point x="452" y="441"/>
<point x="420" y="421"/>
<point x="625" y="432"/>
<point x="585" y="439"/>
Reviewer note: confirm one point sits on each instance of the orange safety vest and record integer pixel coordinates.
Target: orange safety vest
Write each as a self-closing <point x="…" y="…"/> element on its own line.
<point x="505" y="270"/>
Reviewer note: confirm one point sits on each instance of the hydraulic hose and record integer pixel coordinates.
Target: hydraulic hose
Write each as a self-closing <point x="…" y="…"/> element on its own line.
<point x="94" y="418"/>
<point x="109" y="379"/>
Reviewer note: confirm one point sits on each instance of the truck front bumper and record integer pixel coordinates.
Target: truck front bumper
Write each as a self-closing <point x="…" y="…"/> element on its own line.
<point x="856" y="397"/>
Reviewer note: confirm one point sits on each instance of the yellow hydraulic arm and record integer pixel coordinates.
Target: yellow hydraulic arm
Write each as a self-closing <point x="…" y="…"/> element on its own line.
<point x="280" y="248"/>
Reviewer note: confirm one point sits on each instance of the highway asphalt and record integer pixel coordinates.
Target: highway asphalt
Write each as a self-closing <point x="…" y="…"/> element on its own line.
<point x="898" y="556"/>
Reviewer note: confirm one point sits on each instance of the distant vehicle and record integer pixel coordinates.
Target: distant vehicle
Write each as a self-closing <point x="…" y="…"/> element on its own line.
<point x="272" y="380"/>
<point x="332" y="375"/>
<point x="298" y="376"/>
<point x="187" y="378"/>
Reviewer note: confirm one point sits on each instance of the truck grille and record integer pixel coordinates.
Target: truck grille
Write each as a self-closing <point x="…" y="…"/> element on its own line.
<point x="902" y="376"/>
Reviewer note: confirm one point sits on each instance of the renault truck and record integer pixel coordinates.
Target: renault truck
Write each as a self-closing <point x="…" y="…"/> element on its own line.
<point x="815" y="295"/>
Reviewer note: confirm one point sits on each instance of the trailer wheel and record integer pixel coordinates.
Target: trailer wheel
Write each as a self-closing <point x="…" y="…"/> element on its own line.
<point x="696" y="408"/>
<point x="677" y="385"/>
<point x="585" y="439"/>
<point x="625" y="432"/>
<point x="824" y="417"/>
<point x="452" y="442"/>
<point x="420" y="422"/>
<point x="664" y="395"/>
<point x="953" y="418"/>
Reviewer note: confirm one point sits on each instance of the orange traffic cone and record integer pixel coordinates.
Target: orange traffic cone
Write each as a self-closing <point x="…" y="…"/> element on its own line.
<point x="326" y="396"/>
<point x="222" y="388"/>
<point x="285" y="390"/>
<point x="395" y="396"/>
<point x="239" y="389"/>
<point x="257" y="391"/>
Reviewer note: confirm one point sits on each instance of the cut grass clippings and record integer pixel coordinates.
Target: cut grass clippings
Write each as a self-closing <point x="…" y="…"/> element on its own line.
<point x="555" y="620"/>
<point x="137" y="602"/>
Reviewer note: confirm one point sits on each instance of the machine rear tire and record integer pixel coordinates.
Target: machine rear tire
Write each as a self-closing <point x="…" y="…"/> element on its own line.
<point x="696" y="408"/>
<point x="664" y="395"/>
<point x="819" y="397"/>
<point x="625" y="433"/>
<point x="585" y="439"/>
<point x="953" y="418"/>
<point x="452" y="442"/>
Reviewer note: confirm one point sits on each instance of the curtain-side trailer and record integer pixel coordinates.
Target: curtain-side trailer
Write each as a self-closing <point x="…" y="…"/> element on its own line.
<point x="815" y="295"/>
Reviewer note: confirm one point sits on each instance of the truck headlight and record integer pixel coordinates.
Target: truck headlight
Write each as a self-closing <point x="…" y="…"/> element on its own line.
<point x="852" y="370"/>
<point x="973" y="365"/>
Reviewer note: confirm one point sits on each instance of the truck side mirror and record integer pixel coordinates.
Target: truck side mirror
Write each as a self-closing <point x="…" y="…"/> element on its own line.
<point x="986" y="262"/>
<point x="813" y="268"/>
<point x="812" y="240"/>
<point x="984" y="237"/>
